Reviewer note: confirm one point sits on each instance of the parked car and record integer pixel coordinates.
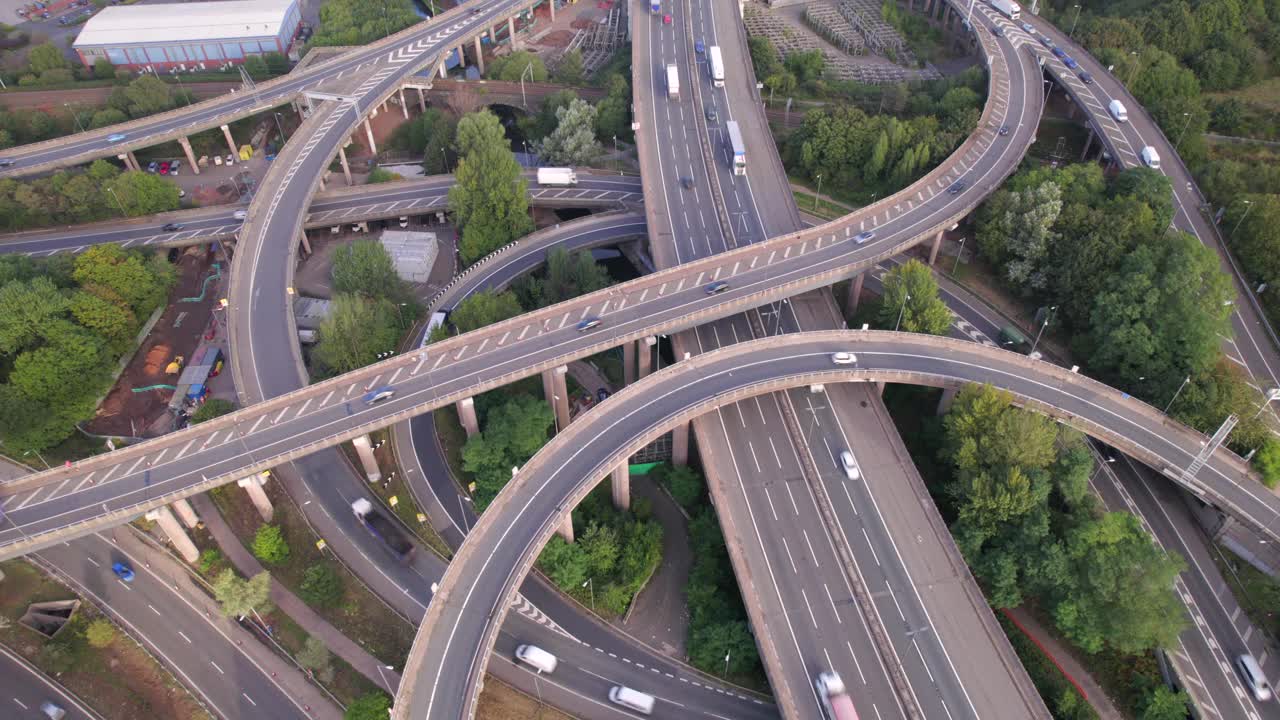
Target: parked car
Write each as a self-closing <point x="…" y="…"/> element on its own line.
<point x="164" y="168"/>
<point x="602" y="395"/>
<point x="173" y="167"/>
<point x="231" y="159"/>
<point x="153" y="167"/>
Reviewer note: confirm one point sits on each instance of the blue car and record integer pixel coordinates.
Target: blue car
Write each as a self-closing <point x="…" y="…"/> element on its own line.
<point x="699" y="47"/>
<point x="373" y="397"/>
<point x="1028" y="28"/>
<point x="1058" y="52"/>
<point x="115" y="138"/>
<point x="122" y="571"/>
<point x="1070" y="62"/>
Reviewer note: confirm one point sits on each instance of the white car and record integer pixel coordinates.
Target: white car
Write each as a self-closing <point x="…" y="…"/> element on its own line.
<point x="843" y="358"/>
<point x="849" y="465"/>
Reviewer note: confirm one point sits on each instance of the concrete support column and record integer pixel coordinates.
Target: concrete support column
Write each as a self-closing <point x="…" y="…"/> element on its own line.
<point x="479" y="55"/>
<point x="364" y="448"/>
<point x="933" y="251"/>
<point x="306" y="244"/>
<point x="680" y="444"/>
<point x="948" y="397"/>
<point x="552" y="4"/>
<point x="422" y="100"/>
<point x="186" y="513"/>
<point x="444" y="73"/>
<point x="556" y="390"/>
<point x="1088" y="145"/>
<point x="467" y="414"/>
<point x="462" y="57"/>
<point x="880" y="388"/>
<point x="231" y="143"/>
<point x="404" y="106"/>
<point x="628" y="363"/>
<point x="127" y="159"/>
<point x="646" y="355"/>
<point x="855" y="292"/>
<point x="191" y="155"/>
<point x="178" y="537"/>
<point x="622" y="487"/>
<point x="253" y="486"/>
<point x="368" y="132"/>
<point x="346" y="168"/>
<point x="566" y="528"/>
<point x="511" y="31"/>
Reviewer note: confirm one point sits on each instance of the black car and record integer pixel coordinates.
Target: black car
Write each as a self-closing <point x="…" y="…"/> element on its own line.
<point x="1004" y="130"/>
<point x="712" y="115"/>
<point x="1085" y="78"/>
<point x="601" y="395"/>
<point x="587" y="324"/>
<point x="687" y="182"/>
<point x="997" y="31"/>
<point x="717" y="287"/>
<point x="172" y="227"/>
<point x="6" y="162"/>
<point x="957" y="187"/>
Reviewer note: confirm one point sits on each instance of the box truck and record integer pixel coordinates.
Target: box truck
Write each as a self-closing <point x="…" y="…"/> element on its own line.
<point x="557" y="176"/>
<point x="716" y="65"/>
<point x="673" y="82"/>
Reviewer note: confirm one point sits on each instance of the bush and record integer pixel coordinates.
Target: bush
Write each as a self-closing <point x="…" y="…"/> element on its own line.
<point x="684" y="484"/>
<point x="372" y="706"/>
<point x="269" y="545"/>
<point x="212" y="408"/>
<point x="209" y="561"/>
<point x="321" y="586"/>
<point x="100" y="633"/>
<point x="1267" y="462"/>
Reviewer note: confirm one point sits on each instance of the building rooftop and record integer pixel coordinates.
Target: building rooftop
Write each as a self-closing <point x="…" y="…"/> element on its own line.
<point x="185" y="22"/>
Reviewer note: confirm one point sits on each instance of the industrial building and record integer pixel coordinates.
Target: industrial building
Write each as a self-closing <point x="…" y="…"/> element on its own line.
<point x="188" y="36"/>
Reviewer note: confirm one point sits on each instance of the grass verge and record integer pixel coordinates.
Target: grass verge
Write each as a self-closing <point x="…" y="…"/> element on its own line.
<point x="499" y="701"/>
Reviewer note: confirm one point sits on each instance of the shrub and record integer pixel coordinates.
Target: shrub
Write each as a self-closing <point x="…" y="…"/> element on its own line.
<point x="100" y="633"/>
<point x="209" y="561"/>
<point x="321" y="586"/>
<point x="269" y="545"/>
<point x="212" y="408"/>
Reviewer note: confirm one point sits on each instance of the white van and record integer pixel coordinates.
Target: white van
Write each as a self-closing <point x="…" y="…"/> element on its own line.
<point x="631" y="699"/>
<point x="1150" y="157"/>
<point x="1253" y="678"/>
<point x="1116" y="108"/>
<point x="537" y="658"/>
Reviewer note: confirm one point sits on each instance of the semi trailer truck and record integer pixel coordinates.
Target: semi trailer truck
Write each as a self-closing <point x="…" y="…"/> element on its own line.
<point x="382" y="528"/>
<point x="1008" y="8"/>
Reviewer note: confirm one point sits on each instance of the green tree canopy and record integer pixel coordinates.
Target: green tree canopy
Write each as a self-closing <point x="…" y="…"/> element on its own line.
<point x="566" y="276"/>
<point x="570" y="70"/>
<point x="355" y="332"/>
<point x="241" y="597"/>
<point x="46" y="56"/>
<point x="126" y="274"/>
<point x="573" y="142"/>
<point x="478" y="130"/>
<point x="489" y="199"/>
<point x="141" y="193"/>
<point x="371" y="706"/>
<point x="212" y="408"/>
<point x="270" y="546"/>
<point x="26" y="310"/>
<point x="365" y="268"/>
<point x="522" y="62"/>
<point x="356" y="22"/>
<point x="911" y="293"/>
<point x="484" y="308"/>
<point x="512" y="433"/>
<point x="147" y="96"/>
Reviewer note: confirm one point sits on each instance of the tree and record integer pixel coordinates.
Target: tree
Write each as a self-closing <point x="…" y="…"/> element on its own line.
<point x="1016" y="232"/>
<point x="1267" y="461"/>
<point x="478" y="130"/>
<point x="26" y="309"/>
<point x="355" y="22"/>
<point x="538" y="127"/>
<point x="241" y="597"/>
<point x="68" y="365"/>
<point x="512" y="433"/>
<point x="484" y="308"/>
<point x="566" y="276"/>
<point x="45" y="57"/>
<point x="365" y="268"/>
<point x="355" y="332"/>
<point x="613" y="114"/>
<point x="316" y="657"/>
<point x="599" y="546"/>
<point x="1165" y="704"/>
<point x="574" y="140"/>
<point x="124" y="273"/>
<point x="714" y="643"/>
<point x="764" y="56"/>
<point x="107" y="314"/>
<point x="564" y="563"/>
<point x="1150" y="187"/>
<point x="103" y="69"/>
<point x="141" y="193"/>
<point x="321" y="586"/>
<point x="382" y="175"/>
<point x="911" y="295"/>
<point x="684" y="483"/>
<point x="512" y="66"/>
<point x="371" y="706"/>
<point x="806" y="66"/>
<point x="489" y="201"/>
<point x="270" y="546"/>
<point x="256" y="67"/>
<point x="212" y="408"/>
<point x="1255" y="236"/>
<point x="147" y="96"/>
<point x="570" y="70"/>
<point x="100" y="633"/>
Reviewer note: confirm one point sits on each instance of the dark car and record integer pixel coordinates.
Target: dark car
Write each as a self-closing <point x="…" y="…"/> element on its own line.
<point x="1046" y="41"/>
<point x="153" y="166"/>
<point x="1069" y="62"/>
<point x="712" y="115"/>
<point x="122" y="570"/>
<point x="602" y="395"/>
<point x="172" y="227"/>
<point x="1086" y="78"/>
<point x="957" y="187"/>
<point x="997" y="31"/>
<point x="687" y="182"/>
<point x="717" y="287"/>
<point x="588" y="323"/>
<point x="374" y="397"/>
<point x="1004" y="130"/>
<point x="6" y="162"/>
<point x="1058" y="52"/>
<point x="699" y="47"/>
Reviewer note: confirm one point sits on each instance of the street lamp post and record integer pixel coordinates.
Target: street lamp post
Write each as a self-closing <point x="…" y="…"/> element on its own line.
<point x="37" y="452"/>
<point x="279" y="128"/>
<point x="1242" y="217"/>
<point x="901" y="311"/>
<point x="1186" y="380"/>
<point x="590" y="584"/>
<point x="956" y="267"/>
<point x="117" y="199"/>
<point x="524" y="100"/>
<point x="1184" y="129"/>
<point x="815" y="197"/>
<point x="75" y="115"/>
<point x="1043" y="325"/>
<point x="617" y="164"/>
<point x="1073" y="22"/>
<point x="1133" y="74"/>
<point x="726" y="663"/>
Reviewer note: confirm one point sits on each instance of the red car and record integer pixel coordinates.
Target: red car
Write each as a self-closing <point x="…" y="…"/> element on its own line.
<point x="164" y="168"/>
<point x="666" y="19"/>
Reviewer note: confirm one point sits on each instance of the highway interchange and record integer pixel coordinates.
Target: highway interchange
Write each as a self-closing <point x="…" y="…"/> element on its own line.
<point x="709" y="225"/>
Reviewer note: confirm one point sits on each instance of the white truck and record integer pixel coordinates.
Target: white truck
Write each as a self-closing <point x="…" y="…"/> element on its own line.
<point x="835" y="699"/>
<point x="673" y="82"/>
<point x="1008" y="8"/>
<point x="716" y="65"/>
<point x="557" y="176"/>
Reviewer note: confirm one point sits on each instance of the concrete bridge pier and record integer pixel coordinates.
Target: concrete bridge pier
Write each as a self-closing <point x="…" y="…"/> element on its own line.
<point x="511" y="31"/>
<point x="444" y="73"/>
<point x="948" y="397"/>
<point x="346" y="167"/>
<point x="646" y="355"/>
<point x="404" y="107"/>
<point x="880" y="388"/>
<point x="368" y="132"/>
<point x="186" y="513"/>
<point x="178" y="537"/>
<point x="191" y="155"/>
<point x="130" y="163"/>
<point x="937" y="243"/>
<point x="253" y="485"/>
<point x="1088" y="144"/>
<point x="467" y="414"/>
<point x="855" y="292"/>
<point x="680" y="444"/>
<point x="566" y="528"/>
<point x="622" y="486"/>
<point x="422" y="100"/>
<point x="556" y="390"/>
<point x="231" y="143"/>
<point x="306" y="244"/>
<point x="551" y="4"/>
<point x="628" y="363"/>
<point x="480" y="55"/>
<point x="364" y="448"/>
<point x="462" y="57"/>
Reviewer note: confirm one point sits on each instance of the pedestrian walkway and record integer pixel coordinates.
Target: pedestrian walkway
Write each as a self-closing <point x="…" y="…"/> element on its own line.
<point x="1066" y="662"/>
<point x="659" y="616"/>
<point x="291" y="604"/>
